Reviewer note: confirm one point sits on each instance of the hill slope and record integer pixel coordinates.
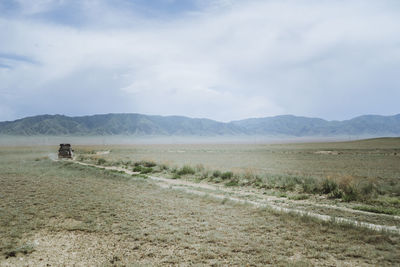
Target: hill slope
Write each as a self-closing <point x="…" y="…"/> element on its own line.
<point x="301" y="126"/>
<point x="138" y="124"/>
<point x="112" y="124"/>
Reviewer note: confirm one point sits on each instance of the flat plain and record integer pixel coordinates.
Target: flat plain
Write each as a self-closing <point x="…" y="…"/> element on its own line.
<point x="373" y="158"/>
<point x="62" y="213"/>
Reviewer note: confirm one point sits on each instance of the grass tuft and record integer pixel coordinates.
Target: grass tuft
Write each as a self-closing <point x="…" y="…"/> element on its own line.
<point x="299" y="197"/>
<point x="226" y="175"/>
<point x="101" y="161"/>
<point x="232" y="183"/>
<point x="145" y="163"/>
<point x="381" y="210"/>
<point x="185" y="170"/>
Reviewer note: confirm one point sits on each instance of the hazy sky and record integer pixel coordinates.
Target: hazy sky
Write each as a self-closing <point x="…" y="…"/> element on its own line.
<point x="219" y="59"/>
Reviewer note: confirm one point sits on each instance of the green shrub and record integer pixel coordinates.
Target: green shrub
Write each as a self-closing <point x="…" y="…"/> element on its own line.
<point x="310" y="185"/>
<point x="101" y="161"/>
<point x="145" y="163"/>
<point x="232" y="183"/>
<point x="269" y="181"/>
<point x="259" y="182"/>
<point x="349" y="193"/>
<point x="217" y="174"/>
<point x="186" y="170"/>
<point x="282" y="194"/>
<point x="336" y="193"/>
<point x="146" y="170"/>
<point x="299" y="197"/>
<point x="328" y="186"/>
<point x="142" y="170"/>
<point x="149" y="164"/>
<point x="226" y="175"/>
<point x="137" y="169"/>
<point x="289" y="182"/>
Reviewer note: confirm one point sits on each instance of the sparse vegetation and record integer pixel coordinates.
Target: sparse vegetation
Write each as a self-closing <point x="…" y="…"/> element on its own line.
<point x="137" y="168"/>
<point x="232" y="183"/>
<point x="145" y="163"/>
<point x="375" y="209"/>
<point x="128" y="220"/>
<point x="216" y="174"/>
<point x="101" y="161"/>
<point x="139" y="175"/>
<point x="299" y="197"/>
<point x="346" y="187"/>
<point x="146" y="170"/>
<point x="176" y="176"/>
<point x="186" y="170"/>
<point x="142" y="170"/>
<point x="226" y="175"/>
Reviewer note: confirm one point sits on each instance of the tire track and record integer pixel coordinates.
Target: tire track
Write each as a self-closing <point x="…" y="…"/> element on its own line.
<point x="198" y="189"/>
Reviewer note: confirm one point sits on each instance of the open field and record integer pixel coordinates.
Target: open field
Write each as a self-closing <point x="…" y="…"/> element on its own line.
<point x="366" y="171"/>
<point x="60" y="212"/>
<point x="369" y="158"/>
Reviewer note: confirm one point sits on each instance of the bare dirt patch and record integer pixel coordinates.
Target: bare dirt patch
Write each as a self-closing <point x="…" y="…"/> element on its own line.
<point x="66" y="248"/>
<point x="103" y="152"/>
<point x="327" y="152"/>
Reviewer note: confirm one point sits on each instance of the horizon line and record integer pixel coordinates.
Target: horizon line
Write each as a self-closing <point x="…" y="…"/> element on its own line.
<point x="199" y="118"/>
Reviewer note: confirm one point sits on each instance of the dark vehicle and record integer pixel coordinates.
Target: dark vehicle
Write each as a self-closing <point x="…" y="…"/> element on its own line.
<point x="65" y="151"/>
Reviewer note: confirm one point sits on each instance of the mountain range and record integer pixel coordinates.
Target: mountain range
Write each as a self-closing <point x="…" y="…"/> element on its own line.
<point x="145" y="125"/>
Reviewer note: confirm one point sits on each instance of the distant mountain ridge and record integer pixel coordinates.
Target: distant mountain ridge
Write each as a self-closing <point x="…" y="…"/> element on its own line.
<point x="143" y="125"/>
<point x="374" y="125"/>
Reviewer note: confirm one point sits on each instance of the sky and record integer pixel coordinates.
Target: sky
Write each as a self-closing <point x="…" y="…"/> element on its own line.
<point x="219" y="59"/>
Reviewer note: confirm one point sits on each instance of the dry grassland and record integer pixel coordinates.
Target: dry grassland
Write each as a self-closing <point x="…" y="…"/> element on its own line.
<point x="371" y="159"/>
<point x="364" y="171"/>
<point x="60" y="213"/>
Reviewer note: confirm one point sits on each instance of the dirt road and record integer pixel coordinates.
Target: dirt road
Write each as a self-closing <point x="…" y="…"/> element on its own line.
<point x="321" y="212"/>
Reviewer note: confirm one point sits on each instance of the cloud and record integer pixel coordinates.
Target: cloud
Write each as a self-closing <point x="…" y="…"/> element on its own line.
<point x="224" y="60"/>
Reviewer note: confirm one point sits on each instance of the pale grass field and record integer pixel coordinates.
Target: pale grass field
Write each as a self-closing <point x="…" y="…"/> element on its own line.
<point x="371" y="167"/>
<point x="59" y="213"/>
<point x="370" y="158"/>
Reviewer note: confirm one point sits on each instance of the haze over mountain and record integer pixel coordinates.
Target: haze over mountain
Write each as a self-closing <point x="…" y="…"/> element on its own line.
<point x="149" y="125"/>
